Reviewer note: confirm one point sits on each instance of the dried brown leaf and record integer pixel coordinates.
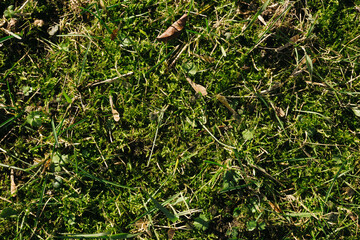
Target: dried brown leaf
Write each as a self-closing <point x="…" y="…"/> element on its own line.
<point x="280" y="112"/>
<point x="115" y="113"/>
<point x="224" y="101"/>
<point x="197" y="87"/>
<point x="114" y="34"/>
<point x="13" y="187"/>
<point x="47" y="163"/>
<point x="353" y="217"/>
<point x="171" y="233"/>
<point x="142" y="225"/>
<point x="102" y="5"/>
<point x="174" y="30"/>
<point x="295" y="38"/>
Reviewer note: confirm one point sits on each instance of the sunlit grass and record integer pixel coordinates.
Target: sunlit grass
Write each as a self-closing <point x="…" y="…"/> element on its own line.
<point x="106" y="132"/>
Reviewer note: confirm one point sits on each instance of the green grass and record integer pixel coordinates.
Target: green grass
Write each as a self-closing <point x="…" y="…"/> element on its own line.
<point x="271" y="152"/>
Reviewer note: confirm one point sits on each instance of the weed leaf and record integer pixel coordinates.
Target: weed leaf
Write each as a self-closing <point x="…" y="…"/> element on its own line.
<point x="8" y="212"/>
<point x="356" y="111"/>
<point x="251" y="225"/>
<point x="247" y="135"/>
<point x="201" y="222"/>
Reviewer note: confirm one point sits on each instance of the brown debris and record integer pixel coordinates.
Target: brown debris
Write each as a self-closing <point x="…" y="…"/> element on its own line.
<point x="197" y="87"/>
<point x="174" y="30"/>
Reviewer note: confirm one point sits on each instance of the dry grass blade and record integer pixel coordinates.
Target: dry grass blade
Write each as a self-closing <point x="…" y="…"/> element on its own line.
<point x="275" y="207"/>
<point x="174" y="30"/>
<point x="197" y="87"/>
<point x="111" y="79"/>
<point x="204" y="58"/>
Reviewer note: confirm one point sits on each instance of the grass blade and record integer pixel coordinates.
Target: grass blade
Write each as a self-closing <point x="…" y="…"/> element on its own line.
<point x="168" y="214"/>
<point x="55" y="133"/>
<point x="309" y="64"/>
<point x="256" y="15"/>
<point x="99" y="236"/>
<point x="84" y="61"/>
<point x="102" y="180"/>
<point x="5" y="38"/>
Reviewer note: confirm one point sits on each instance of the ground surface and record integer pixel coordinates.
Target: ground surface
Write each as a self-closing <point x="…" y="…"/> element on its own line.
<point x="242" y="123"/>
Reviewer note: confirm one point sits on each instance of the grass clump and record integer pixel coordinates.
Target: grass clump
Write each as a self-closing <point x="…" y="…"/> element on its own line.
<point x="102" y="136"/>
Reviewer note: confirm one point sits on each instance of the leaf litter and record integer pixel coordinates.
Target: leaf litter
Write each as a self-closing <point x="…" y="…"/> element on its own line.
<point x="197" y="87"/>
<point x="174" y="30"/>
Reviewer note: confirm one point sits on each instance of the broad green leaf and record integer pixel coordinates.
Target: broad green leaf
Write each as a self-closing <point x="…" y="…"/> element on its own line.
<point x="201" y="222"/>
<point x="27" y="90"/>
<point x="7" y="213"/>
<point x="262" y="226"/>
<point x="34" y="119"/>
<point x="251" y="225"/>
<point x="356" y="111"/>
<point x="247" y="135"/>
<point x="67" y="98"/>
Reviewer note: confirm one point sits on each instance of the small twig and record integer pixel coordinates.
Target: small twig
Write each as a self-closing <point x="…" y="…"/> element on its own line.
<point x="113" y="110"/>
<point x="262" y="40"/>
<point x="267" y="174"/>
<point x="111" y="79"/>
<point x="197" y="14"/>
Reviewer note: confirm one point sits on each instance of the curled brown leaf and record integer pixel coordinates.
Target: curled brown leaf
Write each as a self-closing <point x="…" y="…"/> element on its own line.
<point x="174" y="30"/>
<point x="171" y="233"/>
<point x="197" y="87"/>
<point x="114" y="34"/>
<point x="115" y="113"/>
<point x="224" y="101"/>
